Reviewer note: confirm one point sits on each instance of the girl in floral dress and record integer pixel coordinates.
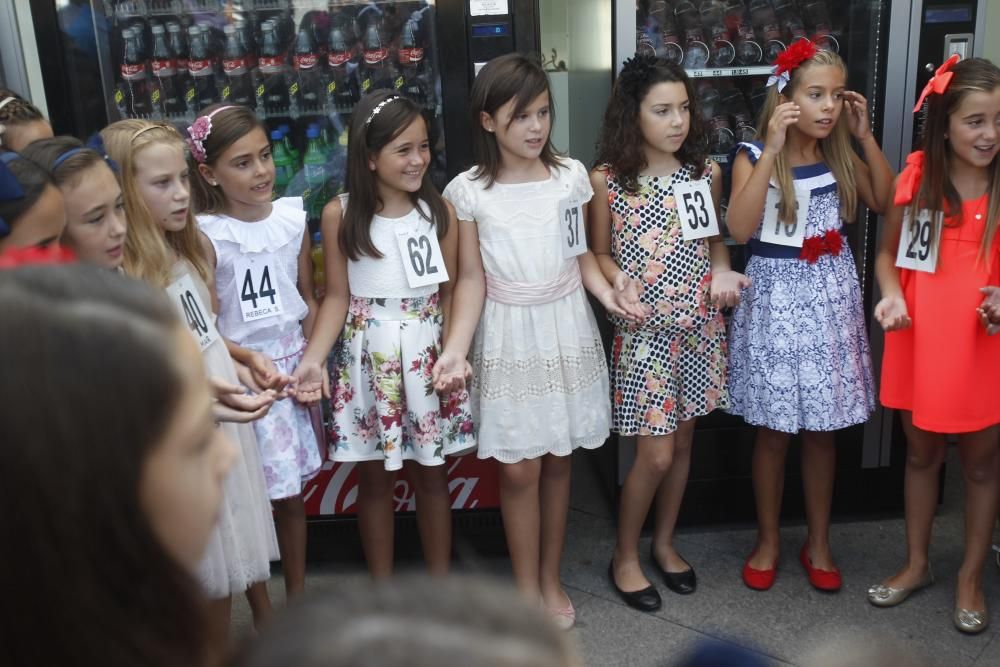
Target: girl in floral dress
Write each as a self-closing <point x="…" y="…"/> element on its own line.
<point x="389" y="251"/>
<point x="671" y="368"/>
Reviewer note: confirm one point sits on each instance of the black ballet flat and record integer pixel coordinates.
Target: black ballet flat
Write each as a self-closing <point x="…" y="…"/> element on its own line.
<point x="682" y="583"/>
<point x="648" y="599"/>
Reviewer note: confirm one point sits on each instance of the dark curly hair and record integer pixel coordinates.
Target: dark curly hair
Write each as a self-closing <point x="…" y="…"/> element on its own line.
<point x="620" y="145"/>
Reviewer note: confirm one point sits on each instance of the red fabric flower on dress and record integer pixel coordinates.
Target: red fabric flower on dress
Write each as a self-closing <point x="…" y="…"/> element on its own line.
<point x="55" y="254"/>
<point x="815" y="247"/>
<point x="939" y="82"/>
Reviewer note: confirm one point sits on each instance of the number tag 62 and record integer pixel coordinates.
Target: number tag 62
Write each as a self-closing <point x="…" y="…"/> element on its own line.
<point x="696" y="210"/>
<point x="919" y="240"/>
<point x="422" y="259"/>
<point x="571" y="224"/>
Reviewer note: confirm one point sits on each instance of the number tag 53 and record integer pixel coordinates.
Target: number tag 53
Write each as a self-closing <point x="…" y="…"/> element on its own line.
<point x="773" y="230"/>
<point x="918" y="242"/>
<point x="696" y="210"/>
<point x="256" y="284"/>
<point x="574" y="236"/>
<point x="198" y="318"/>
<point x="422" y="258"/>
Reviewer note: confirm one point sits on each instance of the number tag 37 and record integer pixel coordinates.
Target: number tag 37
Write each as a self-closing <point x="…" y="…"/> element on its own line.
<point x="256" y="282"/>
<point x="194" y="313"/>
<point x="696" y="210"/>
<point x="574" y="236"/>
<point x="918" y="242"/>
<point x="773" y="230"/>
<point x="422" y="259"/>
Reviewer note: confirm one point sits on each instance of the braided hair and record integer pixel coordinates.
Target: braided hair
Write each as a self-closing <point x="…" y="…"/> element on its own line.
<point x="15" y="110"/>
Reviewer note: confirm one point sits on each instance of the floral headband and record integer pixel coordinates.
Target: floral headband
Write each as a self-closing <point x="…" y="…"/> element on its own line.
<point x="199" y="132"/>
<point x="378" y="107"/>
<point x="939" y="82"/>
<point x="789" y="59"/>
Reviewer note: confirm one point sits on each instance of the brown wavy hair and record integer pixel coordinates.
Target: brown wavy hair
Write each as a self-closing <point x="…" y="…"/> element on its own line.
<point x="228" y="127"/>
<point x="367" y="139"/>
<point x="937" y="191"/>
<point x="620" y="145"/>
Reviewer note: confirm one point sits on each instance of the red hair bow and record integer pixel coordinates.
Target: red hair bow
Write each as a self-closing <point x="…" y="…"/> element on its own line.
<point x="939" y="82"/>
<point x="800" y="51"/>
<point x="55" y="254"/>
<point x="908" y="183"/>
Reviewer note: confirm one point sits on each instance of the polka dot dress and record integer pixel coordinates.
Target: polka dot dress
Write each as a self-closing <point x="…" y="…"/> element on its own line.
<point x="672" y="367"/>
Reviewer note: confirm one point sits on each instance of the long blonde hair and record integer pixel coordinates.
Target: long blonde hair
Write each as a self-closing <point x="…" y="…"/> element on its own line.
<point x="835" y="148"/>
<point x="149" y="250"/>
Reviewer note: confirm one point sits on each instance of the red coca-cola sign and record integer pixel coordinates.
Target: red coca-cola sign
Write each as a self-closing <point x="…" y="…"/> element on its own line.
<point x="230" y="65"/>
<point x="200" y="67"/>
<point x="472" y="483"/>
<point x="305" y="60"/>
<point x="271" y="61"/>
<point x="411" y="56"/>
<point x="130" y="71"/>
<point x="338" y="59"/>
<point x="163" y="67"/>
<point x="375" y="56"/>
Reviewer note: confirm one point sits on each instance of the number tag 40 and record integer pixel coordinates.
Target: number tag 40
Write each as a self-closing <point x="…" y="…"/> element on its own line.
<point x="574" y="236"/>
<point x="422" y="259"/>
<point x="919" y="242"/>
<point x="696" y="210"/>
<point x="774" y="230"/>
<point x="257" y="287"/>
<point x="198" y="318"/>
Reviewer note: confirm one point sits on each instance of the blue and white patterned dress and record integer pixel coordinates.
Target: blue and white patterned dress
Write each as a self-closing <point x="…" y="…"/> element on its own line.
<point x="798" y="352"/>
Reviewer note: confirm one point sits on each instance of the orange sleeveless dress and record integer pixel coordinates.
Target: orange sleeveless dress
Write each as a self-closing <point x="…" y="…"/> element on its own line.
<point x="944" y="368"/>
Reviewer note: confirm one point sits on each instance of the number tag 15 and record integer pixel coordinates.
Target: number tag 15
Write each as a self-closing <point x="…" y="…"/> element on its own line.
<point x="773" y="230"/>
<point x="574" y="236"/>
<point x="919" y="242"/>
<point x="194" y="313"/>
<point x="696" y="210"/>
<point x="422" y="259"/>
<point x="256" y="284"/>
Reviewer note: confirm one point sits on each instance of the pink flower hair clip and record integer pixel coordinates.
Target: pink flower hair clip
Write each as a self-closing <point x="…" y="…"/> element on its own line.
<point x="198" y="133"/>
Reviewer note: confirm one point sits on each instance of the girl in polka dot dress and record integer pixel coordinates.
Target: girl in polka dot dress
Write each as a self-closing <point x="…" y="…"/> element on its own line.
<point x="670" y="369"/>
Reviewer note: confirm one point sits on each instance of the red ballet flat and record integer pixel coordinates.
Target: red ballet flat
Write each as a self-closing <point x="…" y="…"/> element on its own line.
<point x="759" y="580"/>
<point x="823" y="580"/>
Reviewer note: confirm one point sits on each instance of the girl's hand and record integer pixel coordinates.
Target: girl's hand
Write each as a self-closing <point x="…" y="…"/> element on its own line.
<point x="856" y="107"/>
<point x="450" y="373"/>
<point x="989" y="309"/>
<point x="891" y="313"/>
<point x="233" y="404"/>
<point x="784" y="115"/>
<point x="726" y="287"/>
<point x="627" y="292"/>
<point x="312" y="383"/>
<point x="266" y="375"/>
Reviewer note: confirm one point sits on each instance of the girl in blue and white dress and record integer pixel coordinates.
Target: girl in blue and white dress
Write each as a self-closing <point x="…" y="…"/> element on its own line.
<point x="799" y="359"/>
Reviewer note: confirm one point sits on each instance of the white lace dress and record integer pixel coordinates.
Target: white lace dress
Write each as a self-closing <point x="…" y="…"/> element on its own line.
<point x="540" y="377"/>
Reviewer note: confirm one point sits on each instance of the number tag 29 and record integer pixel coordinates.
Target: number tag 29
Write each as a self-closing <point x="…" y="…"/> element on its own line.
<point x="422" y="259"/>
<point x="198" y="318"/>
<point x="256" y="284"/>
<point x="773" y="230"/>
<point x="918" y="242"/>
<point x="696" y="210"/>
<point x="574" y="236"/>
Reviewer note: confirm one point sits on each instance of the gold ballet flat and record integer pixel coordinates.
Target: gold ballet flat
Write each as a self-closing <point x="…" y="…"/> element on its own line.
<point x="881" y="595"/>
<point x="971" y="622"/>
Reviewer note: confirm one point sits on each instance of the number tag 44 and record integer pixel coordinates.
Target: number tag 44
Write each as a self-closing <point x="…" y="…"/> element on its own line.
<point x="574" y="236"/>
<point x="256" y="282"/>
<point x="919" y="241"/>
<point x="696" y="210"/>
<point x="422" y="259"/>
<point x="774" y="230"/>
<point x="185" y="297"/>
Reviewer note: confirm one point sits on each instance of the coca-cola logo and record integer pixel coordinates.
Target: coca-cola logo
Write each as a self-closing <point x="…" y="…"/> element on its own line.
<point x="200" y="67"/>
<point x="305" y="61"/>
<point x="411" y="56"/>
<point x="375" y="56"/>
<point x="272" y="61"/>
<point x="231" y="65"/>
<point x="163" y="67"/>
<point x="337" y="59"/>
<point x="130" y="71"/>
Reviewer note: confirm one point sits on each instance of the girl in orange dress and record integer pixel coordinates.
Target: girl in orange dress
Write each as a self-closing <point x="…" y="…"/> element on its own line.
<point x="938" y="250"/>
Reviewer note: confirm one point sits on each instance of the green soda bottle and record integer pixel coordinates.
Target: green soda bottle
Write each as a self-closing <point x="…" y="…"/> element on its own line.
<point x="314" y="164"/>
<point x="286" y="134"/>
<point x="284" y="164"/>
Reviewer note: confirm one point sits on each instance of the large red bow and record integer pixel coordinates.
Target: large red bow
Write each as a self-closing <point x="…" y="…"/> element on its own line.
<point x="797" y="53"/>
<point x="908" y="183"/>
<point x="939" y="82"/>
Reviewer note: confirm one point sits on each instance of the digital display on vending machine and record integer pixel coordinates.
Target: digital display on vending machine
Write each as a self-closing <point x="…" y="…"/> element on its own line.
<point x="490" y="30"/>
<point x="948" y="14"/>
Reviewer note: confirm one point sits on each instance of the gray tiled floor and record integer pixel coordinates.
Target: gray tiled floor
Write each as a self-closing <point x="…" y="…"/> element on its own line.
<point x="786" y="625"/>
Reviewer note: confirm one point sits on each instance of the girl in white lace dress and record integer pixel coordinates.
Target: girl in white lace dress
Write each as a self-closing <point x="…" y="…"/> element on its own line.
<point x="540" y="386"/>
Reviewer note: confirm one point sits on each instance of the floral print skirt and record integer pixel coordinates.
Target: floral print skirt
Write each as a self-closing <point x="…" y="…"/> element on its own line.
<point x="384" y="404"/>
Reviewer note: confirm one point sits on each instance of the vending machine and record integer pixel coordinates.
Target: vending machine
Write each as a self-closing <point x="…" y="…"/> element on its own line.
<point x="301" y="65"/>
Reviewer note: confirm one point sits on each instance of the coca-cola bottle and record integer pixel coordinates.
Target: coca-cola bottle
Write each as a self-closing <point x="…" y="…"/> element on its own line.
<point x="758" y="94"/>
<point x="713" y="21"/>
<point x="179" y="46"/>
<point x="768" y="29"/>
<point x="410" y="56"/>
<point x="378" y="71"/>
<point x="696" y="51"/>
<point x="660" y="11"/>
<point x="748" y="50"/>
<point x="244" y="32"/>
<point x="238" y="87"/>
<point x="308" y="72"/>
<point x="817" y="18"/>
<point x="338" y="84"/>
<point x="742" y="119"/>
<point x="273" y="72"/>
<point x="168" y="96"/>
<point x="133" y="95"/>
<point x="644" y="45"/>
<point x="708" y="98"/>
<point x="206" y="90"/>
<point x="670" y="42"/>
